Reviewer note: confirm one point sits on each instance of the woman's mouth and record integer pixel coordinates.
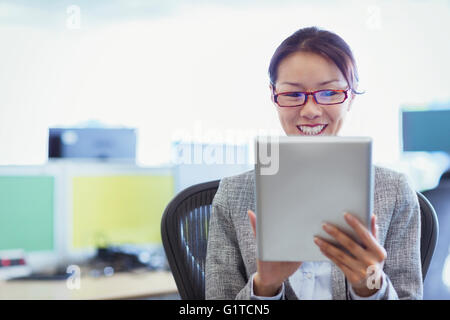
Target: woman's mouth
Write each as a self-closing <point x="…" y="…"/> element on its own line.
<point x="312" y="130"/>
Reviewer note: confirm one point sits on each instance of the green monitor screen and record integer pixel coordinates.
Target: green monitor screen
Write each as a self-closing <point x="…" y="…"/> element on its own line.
<point x="26" y="213"/>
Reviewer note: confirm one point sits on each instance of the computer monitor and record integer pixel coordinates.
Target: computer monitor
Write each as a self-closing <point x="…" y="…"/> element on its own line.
<point x="200" y="162"/>
<point x="60" y="213"/>
<point x="27" y="212"/>
<point x="425" y="130"/>
<point x="29" y="215"/>
<point x="117" y="206"/>
<point x="92" y="143"/>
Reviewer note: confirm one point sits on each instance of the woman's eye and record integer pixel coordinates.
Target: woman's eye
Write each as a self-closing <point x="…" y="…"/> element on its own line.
<point x="328" y="93"/>
<point x="295" y="94"/>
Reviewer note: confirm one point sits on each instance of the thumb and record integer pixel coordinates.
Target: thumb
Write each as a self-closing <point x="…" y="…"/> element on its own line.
<point x="252" y="218"/>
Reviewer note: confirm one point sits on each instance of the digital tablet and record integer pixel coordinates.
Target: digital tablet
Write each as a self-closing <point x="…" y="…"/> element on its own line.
<point x="302" y="182"/>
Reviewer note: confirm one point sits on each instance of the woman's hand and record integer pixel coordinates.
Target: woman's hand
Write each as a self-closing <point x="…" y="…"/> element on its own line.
<point x="364" y="262"/>
<point x="270" y="275"/>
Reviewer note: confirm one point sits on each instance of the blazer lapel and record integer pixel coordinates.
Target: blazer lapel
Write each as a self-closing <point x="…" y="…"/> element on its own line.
<point x="338" y="283"/>
<point x="289" y="293"/>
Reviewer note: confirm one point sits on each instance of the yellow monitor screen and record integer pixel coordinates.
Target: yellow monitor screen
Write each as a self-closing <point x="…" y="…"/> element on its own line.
<point x="119" y="209"/>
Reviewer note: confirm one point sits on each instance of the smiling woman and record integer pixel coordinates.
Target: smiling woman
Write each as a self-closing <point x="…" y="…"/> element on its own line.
<point x="313" y="60"/>
<point x="317" y="63"/>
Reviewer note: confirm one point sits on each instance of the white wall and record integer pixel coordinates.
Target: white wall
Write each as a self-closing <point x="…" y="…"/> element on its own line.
<point x="163" y="71"/>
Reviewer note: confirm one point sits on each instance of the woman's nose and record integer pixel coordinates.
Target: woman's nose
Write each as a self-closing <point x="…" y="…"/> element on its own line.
<point x="311" y="109"/>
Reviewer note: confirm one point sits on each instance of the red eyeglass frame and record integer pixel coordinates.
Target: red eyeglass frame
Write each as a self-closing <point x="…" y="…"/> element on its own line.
<point x="307" y="94"/>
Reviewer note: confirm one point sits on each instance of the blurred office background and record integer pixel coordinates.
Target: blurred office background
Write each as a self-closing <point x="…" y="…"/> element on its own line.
<point x="175" y="88"/>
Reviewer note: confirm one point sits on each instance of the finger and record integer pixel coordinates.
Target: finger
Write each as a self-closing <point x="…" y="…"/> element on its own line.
<point x="353" y="247"/>
<point x="355" y="278"/>
<point x="366" y="237"/>
<point x="374" y="226"/>
<point x="252" y="218"/>
<point x="338" y="255"/>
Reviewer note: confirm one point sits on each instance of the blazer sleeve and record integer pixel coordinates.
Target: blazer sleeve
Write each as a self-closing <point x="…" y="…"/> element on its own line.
<point x="403" y="265"/>
<point x="225" y="276"/>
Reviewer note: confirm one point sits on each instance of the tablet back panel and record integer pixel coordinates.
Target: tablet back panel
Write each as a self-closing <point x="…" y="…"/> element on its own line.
<point x="318" y="179"/>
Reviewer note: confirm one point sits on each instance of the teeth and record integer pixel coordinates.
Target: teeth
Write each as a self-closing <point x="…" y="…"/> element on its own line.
<point x="311" y="130"/>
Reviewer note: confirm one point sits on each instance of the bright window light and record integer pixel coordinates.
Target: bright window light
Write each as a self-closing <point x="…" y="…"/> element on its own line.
<point x="143" y="64"/>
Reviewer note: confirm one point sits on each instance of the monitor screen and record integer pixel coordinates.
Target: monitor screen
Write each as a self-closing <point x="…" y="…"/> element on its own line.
<point x="119" y="209"/>
<point x="88" y="143"/>
<point x="427" y="130"/>
<point x="27" y="213"/>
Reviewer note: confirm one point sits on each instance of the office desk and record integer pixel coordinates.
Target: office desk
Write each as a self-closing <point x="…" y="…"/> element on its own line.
<point x="118" y="286"/>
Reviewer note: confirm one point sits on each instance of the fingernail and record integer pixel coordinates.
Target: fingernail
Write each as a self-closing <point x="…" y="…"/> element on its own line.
<point x="327" y="227"/>
<point x="348" y="216"/>
<point x="317" y="241"/>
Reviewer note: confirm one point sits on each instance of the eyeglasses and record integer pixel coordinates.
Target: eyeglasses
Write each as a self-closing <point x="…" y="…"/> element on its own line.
<point x="322" y="97"/>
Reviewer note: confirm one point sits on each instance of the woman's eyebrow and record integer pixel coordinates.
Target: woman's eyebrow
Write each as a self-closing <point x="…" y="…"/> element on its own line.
<point x="292" y="84"/>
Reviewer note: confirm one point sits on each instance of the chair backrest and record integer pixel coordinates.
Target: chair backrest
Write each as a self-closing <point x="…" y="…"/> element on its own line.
<point x="429" y="232"/>
<point x="184" y="230"/>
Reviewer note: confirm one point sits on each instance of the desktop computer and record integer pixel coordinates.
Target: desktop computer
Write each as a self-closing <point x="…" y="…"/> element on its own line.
<point x="92" y="143"/>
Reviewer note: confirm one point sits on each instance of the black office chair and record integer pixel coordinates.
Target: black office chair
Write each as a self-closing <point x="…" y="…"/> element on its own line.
<point x="184" y="229"/>
<point x="439" y="197"/>
<point x="429" y="232"/>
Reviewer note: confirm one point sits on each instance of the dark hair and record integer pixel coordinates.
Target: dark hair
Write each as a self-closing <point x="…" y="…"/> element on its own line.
<point x="322" y="42"/>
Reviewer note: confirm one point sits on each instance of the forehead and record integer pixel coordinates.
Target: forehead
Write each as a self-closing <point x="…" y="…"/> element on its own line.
<point x="307" y="68"/>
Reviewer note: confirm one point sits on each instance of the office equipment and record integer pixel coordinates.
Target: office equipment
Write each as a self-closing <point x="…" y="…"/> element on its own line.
<point x="118" y="209"/>
<point x="425" y="130"/>
<point x="185" y="243"/>
<point x="318" y="179"/>
<point x="199" y="162"/>
<point x="26" y="212"/>
<point x="125" y="258"/>
<point x="92" y="143"/>
<point x="13" y="264"/>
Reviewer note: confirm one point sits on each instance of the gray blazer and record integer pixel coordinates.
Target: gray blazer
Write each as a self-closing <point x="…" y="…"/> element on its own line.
<point x="231" y="254"/>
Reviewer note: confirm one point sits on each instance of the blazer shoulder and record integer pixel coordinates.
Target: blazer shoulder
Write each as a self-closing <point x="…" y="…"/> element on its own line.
<point x="386" y="174"/>
<point x="236" y="189"/>
<point x="239" y="179"/>
<point x="390" y="181"/>
<point x="394" y="189"/>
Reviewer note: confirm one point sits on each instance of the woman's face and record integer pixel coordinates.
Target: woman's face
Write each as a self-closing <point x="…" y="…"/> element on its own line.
<point x="305" y="71"/>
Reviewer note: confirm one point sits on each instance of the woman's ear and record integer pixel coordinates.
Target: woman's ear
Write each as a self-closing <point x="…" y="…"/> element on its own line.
<point x="271" y="92"/>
